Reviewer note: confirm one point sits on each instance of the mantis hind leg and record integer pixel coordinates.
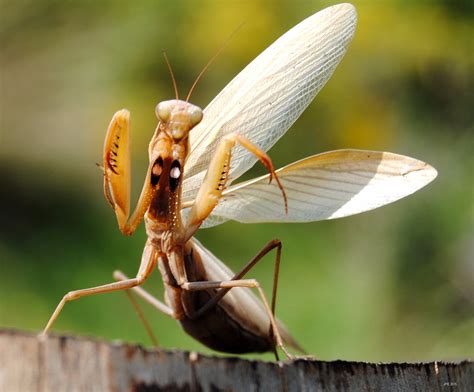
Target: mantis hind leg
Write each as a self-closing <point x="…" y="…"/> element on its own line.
<point x="153" y="301"/>
<point x="252" y="263"/>
<point x="237" y="281"/>
<point x="249" y="283"/>
<point x="143" y="319"/>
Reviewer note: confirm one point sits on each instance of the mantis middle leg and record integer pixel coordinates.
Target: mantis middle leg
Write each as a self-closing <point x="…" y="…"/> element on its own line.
<point x="148" y="262"/>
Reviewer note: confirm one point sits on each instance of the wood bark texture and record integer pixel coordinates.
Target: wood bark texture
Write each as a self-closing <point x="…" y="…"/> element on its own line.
<point x="65" y="363"/>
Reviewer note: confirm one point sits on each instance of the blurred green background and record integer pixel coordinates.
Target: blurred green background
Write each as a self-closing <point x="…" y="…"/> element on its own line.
<point x="394" y="284"/>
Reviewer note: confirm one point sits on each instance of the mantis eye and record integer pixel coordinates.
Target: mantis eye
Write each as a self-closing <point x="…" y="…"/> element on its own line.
<point x="196" y="116"/>
<point x="163" y="111"/>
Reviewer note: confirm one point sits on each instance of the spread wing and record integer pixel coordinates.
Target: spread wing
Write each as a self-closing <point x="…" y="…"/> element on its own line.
<point x="267" y="97"/>
<point x="325" y="186"/>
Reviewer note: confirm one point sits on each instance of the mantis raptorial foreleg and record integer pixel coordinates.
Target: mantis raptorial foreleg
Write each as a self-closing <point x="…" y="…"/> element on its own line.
<point x="117" y="176"/>
<point x="216" y="178"/>
<point x="147" y="265"/>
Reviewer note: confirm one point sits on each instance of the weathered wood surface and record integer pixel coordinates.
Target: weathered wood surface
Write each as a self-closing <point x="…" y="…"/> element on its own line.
<point x="63" y="363"/>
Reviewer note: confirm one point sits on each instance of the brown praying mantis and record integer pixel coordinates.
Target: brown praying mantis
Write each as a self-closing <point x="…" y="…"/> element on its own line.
<point x="195" y="155"/>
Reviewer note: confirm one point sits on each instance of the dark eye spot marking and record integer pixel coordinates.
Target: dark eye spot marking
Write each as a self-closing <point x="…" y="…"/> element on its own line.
<point x="175" y="175"/>
<point x="156" y="171"/>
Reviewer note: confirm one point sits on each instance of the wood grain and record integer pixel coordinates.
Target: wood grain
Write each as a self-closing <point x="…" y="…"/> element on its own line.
<point x="67" y="363"/>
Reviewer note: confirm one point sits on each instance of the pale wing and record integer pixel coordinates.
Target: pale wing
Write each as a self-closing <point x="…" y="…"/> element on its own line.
<point x="267" y="97"/>
<point x="325" y="186"/>
<point x="242" y="303"/>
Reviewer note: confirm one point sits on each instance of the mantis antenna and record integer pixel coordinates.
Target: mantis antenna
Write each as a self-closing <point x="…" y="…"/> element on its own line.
<point x="171" y="74"/>
<point x="223" y="46"/>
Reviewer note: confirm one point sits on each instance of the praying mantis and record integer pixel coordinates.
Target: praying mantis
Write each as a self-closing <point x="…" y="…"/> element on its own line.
<point x="195" y="155"/>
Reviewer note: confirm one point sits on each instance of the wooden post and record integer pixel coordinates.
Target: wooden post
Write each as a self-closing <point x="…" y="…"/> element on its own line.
<point x="65" y="363"/>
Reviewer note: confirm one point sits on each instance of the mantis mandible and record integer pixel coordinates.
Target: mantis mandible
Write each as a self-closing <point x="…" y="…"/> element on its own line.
<point x="195" y="155"/>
